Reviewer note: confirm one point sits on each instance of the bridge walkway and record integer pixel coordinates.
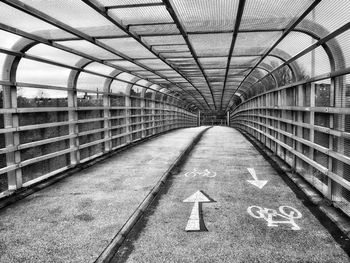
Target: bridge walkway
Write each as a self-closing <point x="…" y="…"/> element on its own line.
<point x="74" y="219"/>
<point x="239" y="221"/>
<point x="234" y="198"/>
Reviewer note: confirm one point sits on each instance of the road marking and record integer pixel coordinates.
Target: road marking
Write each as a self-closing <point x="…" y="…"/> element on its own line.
<point x="258" y="183"/>
<point x="196" y="222"/>
<point x="203" y="173"/>
<point x="287" y="213"/>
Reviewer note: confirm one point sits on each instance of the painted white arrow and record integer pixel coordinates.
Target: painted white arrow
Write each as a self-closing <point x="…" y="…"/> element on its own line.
<point x="258" y="183"/>
<point x="196" y="222"/>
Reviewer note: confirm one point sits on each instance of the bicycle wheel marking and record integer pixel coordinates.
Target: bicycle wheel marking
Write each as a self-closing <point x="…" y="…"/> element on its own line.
<point x="200" y="173"/>
<point x="286" y="215"/>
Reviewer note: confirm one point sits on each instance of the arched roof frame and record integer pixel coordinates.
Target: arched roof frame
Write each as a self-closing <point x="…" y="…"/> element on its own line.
<point x="28" y="41"/>
<point x="288" y="28"/>
<point x="262" y="66"/>
<point x="316" y="31"/>
<point x="99" y="9"/>
<point x="24" y="44"/>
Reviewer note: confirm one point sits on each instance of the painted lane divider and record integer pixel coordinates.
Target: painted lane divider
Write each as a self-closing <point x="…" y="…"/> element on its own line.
<point x="258" y="183"/>
<point x="196" y="222"/>
<point x="286" y="215"/>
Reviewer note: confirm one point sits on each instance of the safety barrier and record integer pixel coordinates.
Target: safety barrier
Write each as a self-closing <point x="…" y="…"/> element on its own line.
<point x="307" y="125"/>
<point x="40" y="139"/>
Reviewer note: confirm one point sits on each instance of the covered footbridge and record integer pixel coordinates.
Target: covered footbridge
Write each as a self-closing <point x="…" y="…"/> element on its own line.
<point x="113" y="112"/>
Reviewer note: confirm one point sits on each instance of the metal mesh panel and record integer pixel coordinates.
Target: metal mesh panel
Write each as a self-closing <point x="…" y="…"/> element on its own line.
<point x="237" y="71"/>
<point x="211" y="44"/>
<point x="89" y="99"/>
<point x="268" y="83"/>
<point x="330" y="15"/>
<point x="73" y="13"/>
<point x="99" y="68"/>
<point x="89" y="48"/>
<point x="102" y="31"/>
<point x="342" y="95"/>
<point x="8" y="39"/>
<point x="176" y="55"/>
<point x="321" y="139"/>
<point x="142" y="15"/>
<point x="119" y="87"/>
<point x="32" y="72"/>
<point x="249" y="41"/>
<point x="15" y="18"/>
<point x="219" y="62"/>
<point x="243" y="61"/>
<point x="40" y="97"/>
<point x="90" y="82"/>
<point x="38" y="169"/>
<point x="272" y="61"/>
<point x="3" y="177"/>
<point x="215" y="72"/>
<point x="314" y="63"/>
<point x="157" y="40"/>
<point x="323" y="93"/>
<point x="136" y="91"/>
<point x="129" y="47"/>
<point x="2" y="61"/>
<point x="54" y="54"/>
<point x="155" y="29"/>
<point x="169" y="73"/>
<point x="144" y="74"/>
<point x="288" y="43"/>
<point x="171" y="48"/>
<point x="283" y="76"/>
<point x="207" y="15"/>
<point x="154" y="64"/>
<point x="127" y="77"/>
<point x="178" y="80"/>
<point x="342" y="55"/>
<point x="126" y="65"/>
<point x="127" y="2"/>
<point x="276" y="14"/>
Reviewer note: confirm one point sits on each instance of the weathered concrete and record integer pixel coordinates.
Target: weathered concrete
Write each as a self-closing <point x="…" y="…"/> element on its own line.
<point x="76" y="218"/>
<point x="233" y="234"/>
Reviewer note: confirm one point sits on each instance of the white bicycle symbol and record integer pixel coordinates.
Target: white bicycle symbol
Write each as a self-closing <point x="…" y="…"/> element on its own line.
<point x="204" y="173"/>
<point x="289" y="214"/>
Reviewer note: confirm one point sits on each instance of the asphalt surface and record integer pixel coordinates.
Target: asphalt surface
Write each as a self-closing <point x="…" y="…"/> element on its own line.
<point x="75" y="219"/>
<point x="240" y="226"/>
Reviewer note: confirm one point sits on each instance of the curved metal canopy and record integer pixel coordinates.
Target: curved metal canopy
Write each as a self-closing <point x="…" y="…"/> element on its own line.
<point x="205" y="50"/>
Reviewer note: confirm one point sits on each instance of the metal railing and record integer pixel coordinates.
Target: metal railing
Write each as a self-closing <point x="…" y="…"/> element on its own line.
<point x="307" y="125"/>
<point x="44" y="141"/>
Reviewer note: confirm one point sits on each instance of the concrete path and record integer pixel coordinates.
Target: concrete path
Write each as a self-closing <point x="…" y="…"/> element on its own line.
<point x="245" y="223"/>
<point x="76" y="218"/>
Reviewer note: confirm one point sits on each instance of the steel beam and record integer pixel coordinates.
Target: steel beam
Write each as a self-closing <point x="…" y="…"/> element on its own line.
<point x="185" y="36"/>
<point x="289" y="28"/>
<point x="44" y="17"/>
<point x="102" y="11"/>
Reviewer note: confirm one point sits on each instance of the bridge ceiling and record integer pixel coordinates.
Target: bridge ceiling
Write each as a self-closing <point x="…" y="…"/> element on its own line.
<point x="206" y="50"/>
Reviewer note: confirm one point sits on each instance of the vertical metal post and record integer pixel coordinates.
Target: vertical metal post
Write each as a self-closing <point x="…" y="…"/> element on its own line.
<point x="334" y="189"/>
<point x="298" y="131"/>
<point x="73" y="117"/>
<point x="11" y="120"/>
<point x="128" y="118"/>
<point x="153" y="112"/>
<point x="143" y="113"/>
<point x="199" y="117"/>
<point x="107" y="115"/>
<point x="312" y="122"/>
<point x="228" y="118"/>
<point x="279" y="115"/>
